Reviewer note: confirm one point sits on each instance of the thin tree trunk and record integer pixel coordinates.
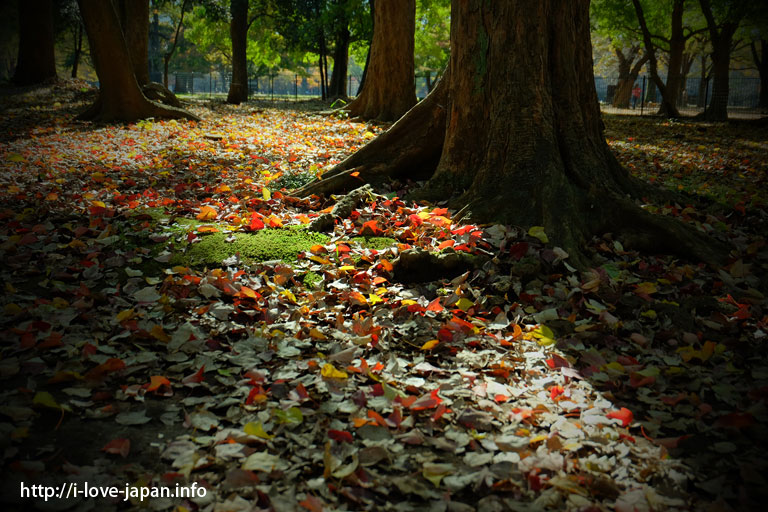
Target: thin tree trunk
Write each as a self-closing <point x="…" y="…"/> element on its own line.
<point x="77" y="39"/>
<point x="668" y="108"/>
<point x="172" y="49"/>
<point x="36" y="61"/>
<point x="238" y="31"/>
<point x="338" y="87"/>
<point x="372" y="4"/>
<point x="761" y="62"/>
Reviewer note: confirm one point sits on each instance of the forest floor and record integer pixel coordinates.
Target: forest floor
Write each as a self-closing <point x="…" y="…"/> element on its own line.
<point x="167" y="319"/>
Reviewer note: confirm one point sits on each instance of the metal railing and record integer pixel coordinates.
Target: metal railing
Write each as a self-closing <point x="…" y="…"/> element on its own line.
<point x="694" y="96"/>
<point x="284" y="85"/>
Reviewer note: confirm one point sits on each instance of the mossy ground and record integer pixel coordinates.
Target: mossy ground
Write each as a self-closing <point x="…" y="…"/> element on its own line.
<point x="265" y="245"/>
<point x="378" y="243"/>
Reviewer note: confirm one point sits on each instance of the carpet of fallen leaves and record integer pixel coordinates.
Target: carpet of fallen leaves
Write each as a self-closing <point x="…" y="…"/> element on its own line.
<point x="323" y="383"/>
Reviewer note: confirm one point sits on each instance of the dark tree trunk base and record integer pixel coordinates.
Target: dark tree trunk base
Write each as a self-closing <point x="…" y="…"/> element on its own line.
<point x="578" y="210"/>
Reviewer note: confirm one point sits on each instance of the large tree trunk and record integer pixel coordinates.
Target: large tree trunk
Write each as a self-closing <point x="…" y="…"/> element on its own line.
<point x="238" y="31"/>
<point x="628" y="72"/>
<point x="721" y="38"/>
<point x="120" y="97"/>
<point x="134" y="20"/>
<point x="522" y="141"/>
<point x="36" y="62"/>
<point x="389" y="89"/>
<point x="676" y="49"/>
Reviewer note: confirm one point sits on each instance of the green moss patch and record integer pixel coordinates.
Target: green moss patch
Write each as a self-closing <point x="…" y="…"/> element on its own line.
<point x="264" y="245"/>
<point x="378" y="243"/>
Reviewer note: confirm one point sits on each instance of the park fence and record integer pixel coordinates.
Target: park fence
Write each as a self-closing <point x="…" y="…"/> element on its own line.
<point x="743" y="97"/>
<point x="694" y="96"/>
<point x="283" y="85"/>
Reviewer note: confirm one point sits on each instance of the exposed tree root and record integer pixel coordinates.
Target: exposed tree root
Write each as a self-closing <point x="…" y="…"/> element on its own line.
<point x="343" y="208"/>
<point x="418" y="265"/>
<point x="108" y="112"/>
<point x="410" y="148"/>
<point x="158" y="92"/>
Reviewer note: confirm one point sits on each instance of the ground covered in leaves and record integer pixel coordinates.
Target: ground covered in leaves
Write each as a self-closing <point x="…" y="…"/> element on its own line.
<point x="169" y="319"/>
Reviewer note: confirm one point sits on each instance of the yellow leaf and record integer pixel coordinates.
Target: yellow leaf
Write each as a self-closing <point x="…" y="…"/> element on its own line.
<point x="11" y="309"/>
<point x="368" y="135"/>
<point x="464" y="304"/>
<point x="158" y="333"/>
<point x="15" y="157"/>
<point x="544" y="336"/>
<point x="266" y="194"/>
<point x="45" y="399"/>
<point x="537" y="439"/>
<point x="329" y="371"/>
<point x="615" y="367"/>
<point x="255" y="428"/>
<point x="435" y="472"/>
<point x="124" y="315"/>
<point x="538" y="232"/>
<point x="374" y="299"/>
<point x="430" y="345"/>
<point x="646" y="288"/>
<point x="99" y="204"/>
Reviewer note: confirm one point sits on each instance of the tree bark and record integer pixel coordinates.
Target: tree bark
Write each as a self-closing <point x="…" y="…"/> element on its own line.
<point x="389" y="88"/>
<point x="134" y="20"/>
<point x="761" y="62"/>
<point x="521" y="138"/>
<point x="629" y="69"/>
<point x="238" y="31"/>
<point x="120" y="97"/>
<point x="36" y="61"/>
<point x="721" y="39"/>
<point x="668" y="97"/>
<point x="77" y="43"/>
<point x="338" y="87"/>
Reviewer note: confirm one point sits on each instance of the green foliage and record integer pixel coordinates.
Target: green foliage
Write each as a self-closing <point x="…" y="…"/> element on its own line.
<point x="432" y="38"/>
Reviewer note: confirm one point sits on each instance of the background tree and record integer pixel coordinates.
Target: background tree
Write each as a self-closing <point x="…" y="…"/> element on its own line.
<point x="673" y="41"/>
<point x="723" y="19"/>
<point x="389" y="90"/>
<point x="238" y="33"/>
<point x="120" y="96"/>
<point x="521" y="134"/>
<point x="36" y="61"/>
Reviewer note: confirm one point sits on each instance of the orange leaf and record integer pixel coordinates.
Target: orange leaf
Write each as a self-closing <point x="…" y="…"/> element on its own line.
<point x="624" y="415"/>
<point x="207" y="213"/>
<point x="435" y="306"/>
<point x="119" y="446"/>
<point x="430" y="345"/>
<point x="248" y="292"/>
<point x="157" y="381"/>
<point x="447" y="243"/>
